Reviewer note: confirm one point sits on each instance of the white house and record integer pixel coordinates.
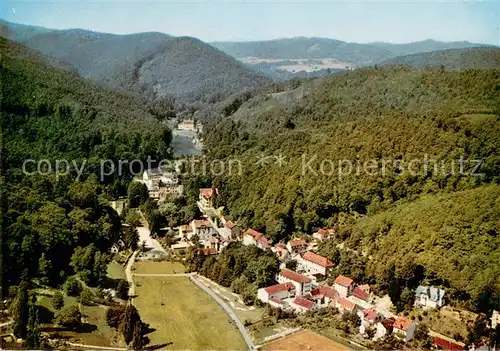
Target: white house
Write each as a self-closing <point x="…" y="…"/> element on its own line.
<point x="495" y="319"/>
<point x="404" y="327"/>
<point x="277" y="291"/>
<point x="429" y="297"/>
<point x="202" y="228"/>
<point x="343" y="285"/>
<point x="253" y="237"/>
<point x="323" y="295"/>
<point x="324" y="234"/>
<point x="281" y="252"/>
<point x="344" y="305"/>
<point x="207" y="195"/>
<point x="302" y="305"/>
<point x="296" y="246"/>
<point x="384" y="327"/>
<point x="314" y="264"/>
<point x="303" y="284"/>
<point x="187" y="124"/>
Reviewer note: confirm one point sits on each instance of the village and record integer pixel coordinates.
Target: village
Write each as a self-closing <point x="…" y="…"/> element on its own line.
<point x="303" y="289"/>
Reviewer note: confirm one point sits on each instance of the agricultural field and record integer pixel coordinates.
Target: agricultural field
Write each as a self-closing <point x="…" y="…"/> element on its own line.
<point x="304" y="340"/>
<point x="163" y="267"/>
<point x="183" y="316"/>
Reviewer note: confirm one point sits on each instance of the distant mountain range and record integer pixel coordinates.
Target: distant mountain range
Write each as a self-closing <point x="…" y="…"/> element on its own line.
<point x="320" y="48"/>
<point x="299" y="57"/>
<point x="154" y="64"/>
<point x="158" y="65"/>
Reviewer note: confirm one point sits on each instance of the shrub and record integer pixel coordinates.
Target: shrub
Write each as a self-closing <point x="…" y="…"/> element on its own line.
<point x="72" y="286"/>
<point x="58" y="300"/>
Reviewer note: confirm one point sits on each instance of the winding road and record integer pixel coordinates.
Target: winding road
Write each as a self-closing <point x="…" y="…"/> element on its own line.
<point x="248" y="340"/>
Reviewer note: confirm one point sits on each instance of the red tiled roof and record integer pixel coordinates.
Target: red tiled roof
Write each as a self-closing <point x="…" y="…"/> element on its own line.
<point x="343" y="280"/>
<point x="360" y="294"/>
<point x="279" y="287"/>
<point x="326" y="231"/>
<point x="324" y="290"/>
<point x="275" y="299"/>
<point x="253" y="233"/>
<point x="388" y="323"/>
<point x="345" y="303"/>
<point x="201" y="223"/>
<point x="445" y="344"/>
<point x="317" y="259"/>
<point x="402" y="323"/>
<point x="297" y="242"/>
<point x="263" y="241"/>
<point x="209" y="251"/>
<point x="207" y="193"/>
<point x="296" y="277"/>
<point x="229" y="224"/>
<point x="281" y="246"/>
<point x="364" y="287"/>
<point x="300" y="301"/>
<point x="370" y="314"/>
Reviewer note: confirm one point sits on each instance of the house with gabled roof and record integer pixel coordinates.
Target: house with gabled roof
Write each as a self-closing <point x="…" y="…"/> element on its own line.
<point x="404" y="327"/>
<point x="303" y="284"/>
<point x="323" y="295"/>
<point x="344" y="305"/>
<point x="275" y="294"/>
<point x="344" y="285"/>
<point x="302" y="305"/>
<point x="323" y="234"/>
<point x="313" y="263"/>
<point x="296" y="246"/>
<point x="384" y="327"/>
<point x="207" y="195"/>
<point x="429" y="297"/>
<point x="253" y="237"/>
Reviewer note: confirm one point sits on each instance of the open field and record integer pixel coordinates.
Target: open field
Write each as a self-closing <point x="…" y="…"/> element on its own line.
<point x="183" y="316"/>
<point x="447" y="320"/>
<point x="163" y="267"/>
<point x="304" y="340"/>
<point x="95" y="330"/>
<point x="251" y="314"/>
<point x="116" y="271"/>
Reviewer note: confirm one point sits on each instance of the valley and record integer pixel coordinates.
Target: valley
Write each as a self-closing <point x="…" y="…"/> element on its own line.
<point x="363" y="211"/>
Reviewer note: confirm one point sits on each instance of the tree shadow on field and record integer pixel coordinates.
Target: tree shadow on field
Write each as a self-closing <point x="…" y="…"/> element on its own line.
<point x="159" y="346"/>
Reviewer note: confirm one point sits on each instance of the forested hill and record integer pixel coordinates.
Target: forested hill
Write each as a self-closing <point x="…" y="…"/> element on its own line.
<point x="316" y="48"/>
<point x="453" y="59"/>
<point x="47" y="113"/>
<point x="154" y="64"/>
<point x="392" y="115"/>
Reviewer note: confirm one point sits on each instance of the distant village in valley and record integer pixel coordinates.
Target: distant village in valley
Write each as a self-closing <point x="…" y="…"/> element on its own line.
<point x="304" y="284"/>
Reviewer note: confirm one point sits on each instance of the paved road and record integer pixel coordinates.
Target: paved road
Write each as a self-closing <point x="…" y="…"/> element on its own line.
<point x="96" y="347"/>
<point x="129" y="275"/>
<point x="145" y="235"/>
<point x="227" y="308"/>
<point x="161" y="275"/>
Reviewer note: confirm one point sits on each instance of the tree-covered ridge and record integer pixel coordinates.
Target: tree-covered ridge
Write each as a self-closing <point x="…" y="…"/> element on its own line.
<point x="395" y="114"/>
<point x="455" y="236"/>
<point x="152" y="64"/>
<point x="452" y="59"/>
<point x="50" y="113"/>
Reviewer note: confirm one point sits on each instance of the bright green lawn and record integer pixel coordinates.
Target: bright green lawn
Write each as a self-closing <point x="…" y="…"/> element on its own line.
<point x="163" y="267"/>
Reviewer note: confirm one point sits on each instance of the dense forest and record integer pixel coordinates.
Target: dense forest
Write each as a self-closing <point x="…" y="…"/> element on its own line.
<point x="51" y="114"/>
<point x="152" y="64"/>
<point x="396" y="114"/>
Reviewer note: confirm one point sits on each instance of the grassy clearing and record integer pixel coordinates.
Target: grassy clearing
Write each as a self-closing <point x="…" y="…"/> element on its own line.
<point x="163" y="267"/>
<point x="95" y="330"/>
<point x="447" y="321"/>
<point x="251" y="314"/>
<point x="116" y="271"/>
<point x="183" y="316"/>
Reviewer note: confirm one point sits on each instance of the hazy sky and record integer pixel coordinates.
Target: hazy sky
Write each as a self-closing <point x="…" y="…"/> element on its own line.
<point x="360" y="21"/>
